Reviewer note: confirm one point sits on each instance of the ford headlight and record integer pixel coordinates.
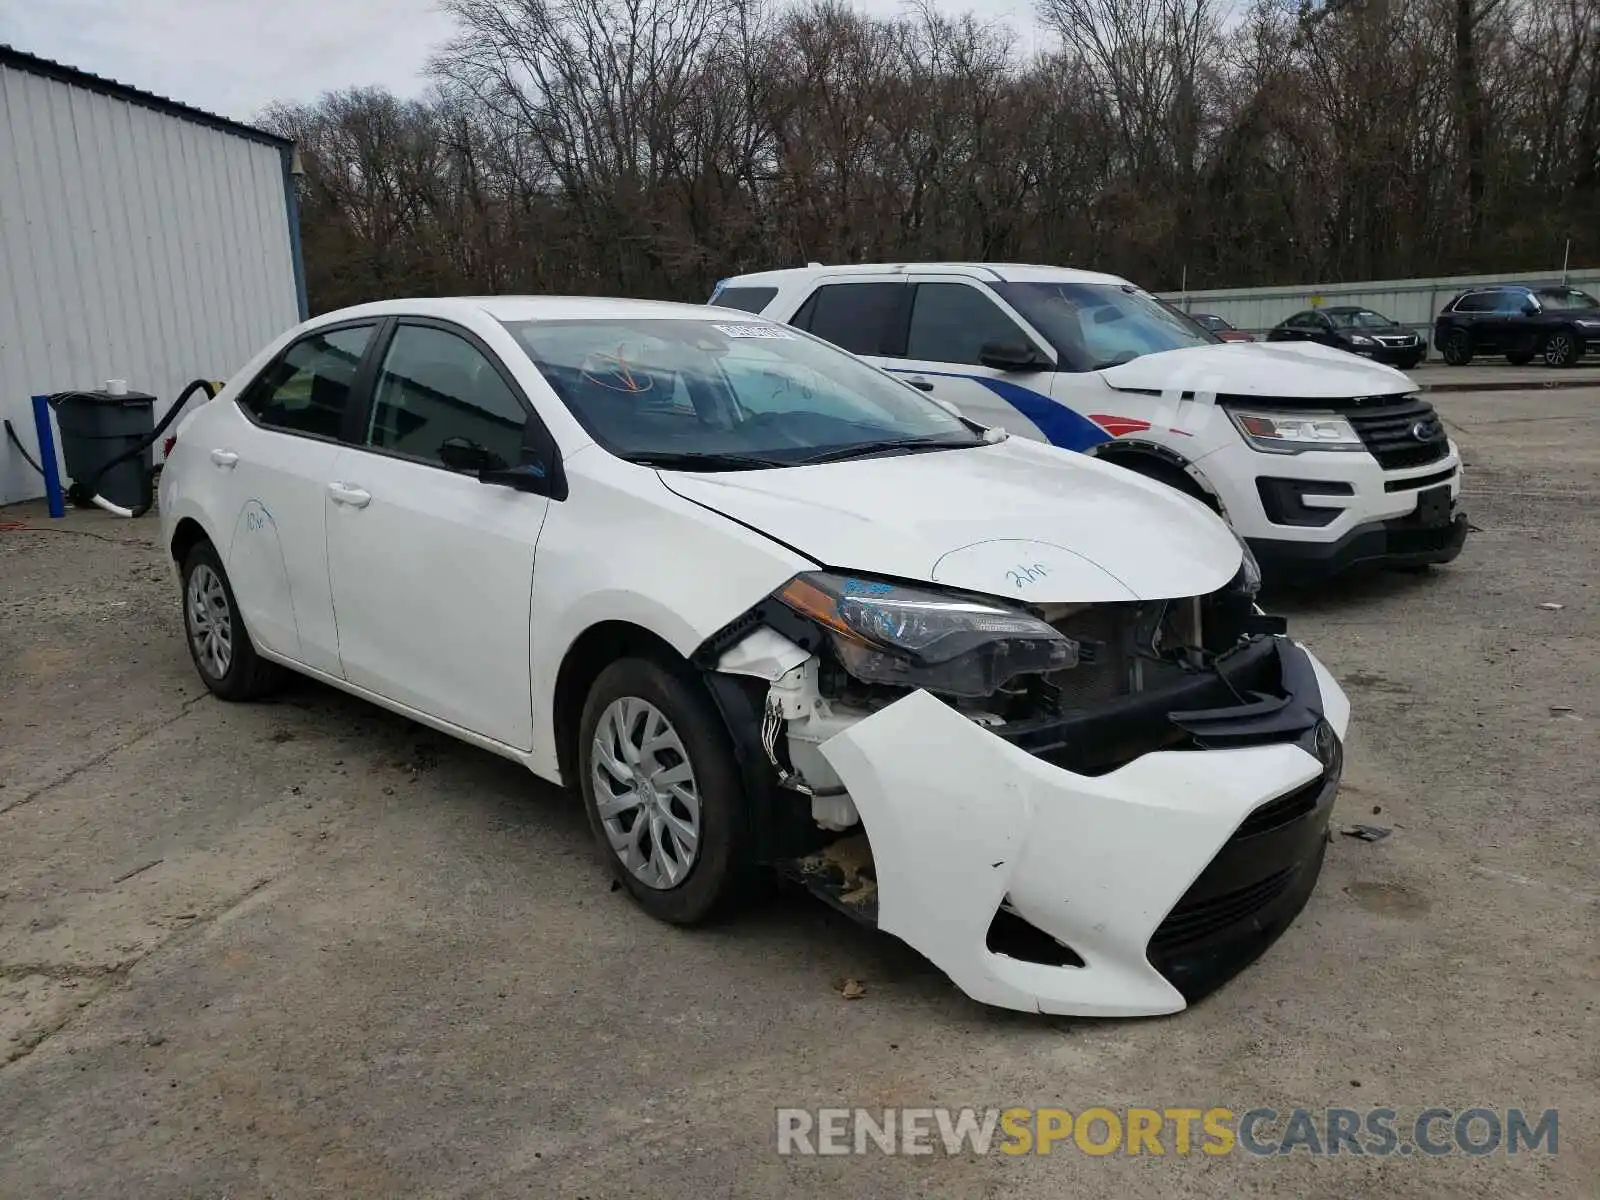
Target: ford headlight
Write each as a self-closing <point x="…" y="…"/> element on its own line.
<point x="923" y="638"/>
<point x="1292" y="433"/>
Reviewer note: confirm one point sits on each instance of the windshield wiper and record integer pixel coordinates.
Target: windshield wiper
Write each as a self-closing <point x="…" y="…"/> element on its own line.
<point x="690" y="460"/>
<point x="884" y="446"/>
<point x="1127" y="356"/>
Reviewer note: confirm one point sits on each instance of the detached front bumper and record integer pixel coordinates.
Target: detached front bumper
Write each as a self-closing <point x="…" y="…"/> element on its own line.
<point x="1161" y="878"/>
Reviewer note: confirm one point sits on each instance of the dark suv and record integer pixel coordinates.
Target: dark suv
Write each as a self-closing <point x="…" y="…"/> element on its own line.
<point x="1552" y="321"/>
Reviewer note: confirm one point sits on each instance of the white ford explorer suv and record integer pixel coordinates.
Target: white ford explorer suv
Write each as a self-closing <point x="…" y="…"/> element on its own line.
<point x="1320" y="460"/>
<point x="761" y="605"/>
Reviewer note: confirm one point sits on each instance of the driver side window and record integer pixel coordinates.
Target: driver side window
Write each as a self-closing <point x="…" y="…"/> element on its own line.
<point x="951" y="322"/>
<point x="436" y="386"/>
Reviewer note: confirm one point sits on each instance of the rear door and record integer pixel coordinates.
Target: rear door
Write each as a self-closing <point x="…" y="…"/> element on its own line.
<point x="1297" y="328"/>
<point x="273" y="471"/>
<point x="864" y="314"/>
<point x="1477" y="313"/>
<point x="431" y="569"/>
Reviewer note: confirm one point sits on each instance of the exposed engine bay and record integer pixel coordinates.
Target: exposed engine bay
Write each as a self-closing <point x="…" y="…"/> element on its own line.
<point x="1118" y="652"/>
<point x="1098" y="808"/>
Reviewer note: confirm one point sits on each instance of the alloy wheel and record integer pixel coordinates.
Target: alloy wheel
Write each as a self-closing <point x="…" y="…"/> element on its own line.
<point x="645" y="792"/>
<point x="1558" y="349"/>
<point x="210" y="621"/>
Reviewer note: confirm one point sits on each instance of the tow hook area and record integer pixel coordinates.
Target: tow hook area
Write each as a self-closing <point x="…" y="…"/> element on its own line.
<point x="843" y="874"/>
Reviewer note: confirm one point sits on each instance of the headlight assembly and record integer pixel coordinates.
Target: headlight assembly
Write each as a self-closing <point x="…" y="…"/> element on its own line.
<point x="923" y="638"/>
<point x="1292" y="433"/>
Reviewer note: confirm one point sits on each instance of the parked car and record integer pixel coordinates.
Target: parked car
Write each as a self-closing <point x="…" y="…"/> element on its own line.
<point x="749" y="595"/>
<point x="1556" y="323"/>
<point x="1321" y="461"/>
<point x="1356" y="330"/>
<point x="1224" y="331"/>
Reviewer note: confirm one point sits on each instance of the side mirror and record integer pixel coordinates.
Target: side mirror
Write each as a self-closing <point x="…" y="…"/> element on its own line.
<point x="1011" y="356"/>
<point x="530" y="477"/>
<point x="459" y="454"/>
<point x="1530" y="309"/>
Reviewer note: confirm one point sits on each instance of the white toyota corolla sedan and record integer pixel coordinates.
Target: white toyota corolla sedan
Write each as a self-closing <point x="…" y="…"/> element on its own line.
<point x="767" y="607"/>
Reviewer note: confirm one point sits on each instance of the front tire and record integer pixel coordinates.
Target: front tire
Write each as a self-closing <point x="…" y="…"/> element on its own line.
<point x="1457" y="348"/>
<point x="1560" y="349"/>
<point x="218" y="641"/>
<point x="663" y="792"/>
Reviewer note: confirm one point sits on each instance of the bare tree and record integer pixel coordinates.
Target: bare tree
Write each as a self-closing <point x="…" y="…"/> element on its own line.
<point x="650" y="147"/>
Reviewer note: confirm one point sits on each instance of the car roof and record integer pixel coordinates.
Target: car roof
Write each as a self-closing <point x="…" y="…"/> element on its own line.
<point x="529" y="308"/>
<point x="1349" y="308"/>
<point x="993" y="272"/>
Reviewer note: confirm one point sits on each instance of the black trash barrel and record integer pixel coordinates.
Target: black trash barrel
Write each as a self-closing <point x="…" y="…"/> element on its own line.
<point x="98" y="426"/>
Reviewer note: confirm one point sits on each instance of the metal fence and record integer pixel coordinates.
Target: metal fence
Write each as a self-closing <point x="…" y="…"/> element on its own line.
<point x="1412" y="302"/>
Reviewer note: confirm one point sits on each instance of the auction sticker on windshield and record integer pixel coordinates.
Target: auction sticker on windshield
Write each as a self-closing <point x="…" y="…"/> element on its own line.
<point x="776" y="332"/>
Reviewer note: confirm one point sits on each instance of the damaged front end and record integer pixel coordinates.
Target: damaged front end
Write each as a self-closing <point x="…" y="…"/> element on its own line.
<point x="1098" y="809"/>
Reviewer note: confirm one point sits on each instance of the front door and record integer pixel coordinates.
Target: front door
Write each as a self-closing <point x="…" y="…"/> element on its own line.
<point x="432" y="570"/>
<point x="951" y="320"/>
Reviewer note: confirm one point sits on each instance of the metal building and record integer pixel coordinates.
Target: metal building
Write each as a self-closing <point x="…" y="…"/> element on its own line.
<point x="140" y="239"/>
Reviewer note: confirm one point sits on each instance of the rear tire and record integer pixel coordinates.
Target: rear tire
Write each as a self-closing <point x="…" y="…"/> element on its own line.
<point x="663" y="791"/>
<point x="1457" y="348"/>
<point x="218" y="641"/>
<point x="1560" y="349"/>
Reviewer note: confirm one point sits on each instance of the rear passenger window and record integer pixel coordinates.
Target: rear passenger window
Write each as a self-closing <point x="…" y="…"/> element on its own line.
<point x="436" y="386"/>
<point x="853" y="316"/>
<point x="749" y="299"/>
<point x="951" y="322"/>
<point x="308" y="389"/>
<point x="1476" y="302"/>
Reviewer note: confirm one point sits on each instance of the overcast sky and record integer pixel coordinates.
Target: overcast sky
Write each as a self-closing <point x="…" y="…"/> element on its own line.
<point x="236" y="56"/>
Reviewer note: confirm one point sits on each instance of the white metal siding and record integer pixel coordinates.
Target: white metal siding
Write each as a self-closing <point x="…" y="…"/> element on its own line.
<point x="1412" y="302"/>
<point x="133" y="245"/>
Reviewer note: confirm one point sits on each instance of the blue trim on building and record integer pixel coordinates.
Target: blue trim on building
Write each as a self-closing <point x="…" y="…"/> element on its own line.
<point x="291" y="205"/>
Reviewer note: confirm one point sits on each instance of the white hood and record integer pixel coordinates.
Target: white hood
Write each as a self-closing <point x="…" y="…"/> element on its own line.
<point x="1015" y="519"/>
<point x="1300" y="369"/>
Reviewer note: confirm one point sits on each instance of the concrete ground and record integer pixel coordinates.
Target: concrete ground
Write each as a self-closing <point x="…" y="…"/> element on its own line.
<point x="1498" y="375"/>
<point x="305" y="948"/>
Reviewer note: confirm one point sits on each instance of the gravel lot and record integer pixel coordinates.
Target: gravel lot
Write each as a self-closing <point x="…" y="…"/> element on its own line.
<point x="308" y="948"/>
